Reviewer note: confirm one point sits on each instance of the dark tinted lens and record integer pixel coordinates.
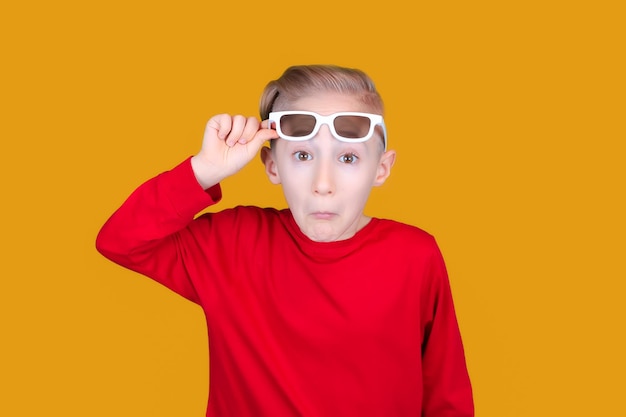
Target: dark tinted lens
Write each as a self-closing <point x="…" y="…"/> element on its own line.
<point x="297" y="125"/>
<point x="352" y="127"/>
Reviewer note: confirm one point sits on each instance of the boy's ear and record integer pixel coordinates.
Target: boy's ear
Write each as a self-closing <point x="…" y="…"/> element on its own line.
<point x="384" y="167"/>
<point x="267" y="157"/>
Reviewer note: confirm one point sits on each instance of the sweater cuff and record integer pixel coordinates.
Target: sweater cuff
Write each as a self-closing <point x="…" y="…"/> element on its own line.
<point x="185" y="193"/>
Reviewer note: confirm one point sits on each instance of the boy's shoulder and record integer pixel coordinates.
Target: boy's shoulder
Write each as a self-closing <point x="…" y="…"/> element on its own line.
<point x="399" y="232"/>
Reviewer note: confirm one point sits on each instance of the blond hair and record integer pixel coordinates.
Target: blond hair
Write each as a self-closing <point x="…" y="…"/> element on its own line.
<point x="302" y="80"/>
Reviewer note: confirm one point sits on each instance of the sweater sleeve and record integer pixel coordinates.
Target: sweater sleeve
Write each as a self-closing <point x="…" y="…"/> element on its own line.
<point x="142" y="235"/>
<point x="447" y="387"/>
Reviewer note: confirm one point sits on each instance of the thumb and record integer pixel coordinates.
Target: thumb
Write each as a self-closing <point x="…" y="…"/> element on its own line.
<point x="260" y="137"/>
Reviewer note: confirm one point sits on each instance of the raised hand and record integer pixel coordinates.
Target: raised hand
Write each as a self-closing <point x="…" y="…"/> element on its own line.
<point x="229" y="143"/>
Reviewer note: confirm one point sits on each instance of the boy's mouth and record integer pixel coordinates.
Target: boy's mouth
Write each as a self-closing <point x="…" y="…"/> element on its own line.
<point x="323" y="215"/>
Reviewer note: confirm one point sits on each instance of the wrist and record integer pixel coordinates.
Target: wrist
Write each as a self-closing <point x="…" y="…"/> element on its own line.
<point x="205" y="175"/>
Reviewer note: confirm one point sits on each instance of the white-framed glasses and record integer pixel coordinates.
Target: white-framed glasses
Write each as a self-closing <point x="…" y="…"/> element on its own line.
<point x="298" y="125"/>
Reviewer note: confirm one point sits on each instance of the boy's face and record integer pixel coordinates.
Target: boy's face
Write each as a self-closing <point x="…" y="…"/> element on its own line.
<point x="327" y="182"/>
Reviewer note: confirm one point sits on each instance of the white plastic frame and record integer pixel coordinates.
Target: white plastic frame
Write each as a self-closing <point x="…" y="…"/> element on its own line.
<point x="375" y="120"/>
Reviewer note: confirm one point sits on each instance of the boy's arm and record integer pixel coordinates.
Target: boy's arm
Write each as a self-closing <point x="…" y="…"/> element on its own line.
<point x="142" y="235"/>
<point x="447" y="387"/>
<point x="146" y="234"/>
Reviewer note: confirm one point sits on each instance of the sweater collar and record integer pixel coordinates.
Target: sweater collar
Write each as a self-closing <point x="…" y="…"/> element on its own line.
<point x="328" y="250"/>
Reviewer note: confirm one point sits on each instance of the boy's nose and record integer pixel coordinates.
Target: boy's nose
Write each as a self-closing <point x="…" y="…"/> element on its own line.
<point x="323" y="182"/>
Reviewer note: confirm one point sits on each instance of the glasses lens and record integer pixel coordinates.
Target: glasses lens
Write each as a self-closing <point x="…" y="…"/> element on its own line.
<point x="297" y="125"/>
<point x="352" y="127"/>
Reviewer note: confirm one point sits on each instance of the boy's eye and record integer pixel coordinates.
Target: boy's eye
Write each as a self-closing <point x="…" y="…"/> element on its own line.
<point x="348" y="158"/>
<point x="302" y="156"/>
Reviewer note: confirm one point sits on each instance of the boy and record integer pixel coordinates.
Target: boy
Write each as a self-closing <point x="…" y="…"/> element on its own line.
<point x="316" y="310"/>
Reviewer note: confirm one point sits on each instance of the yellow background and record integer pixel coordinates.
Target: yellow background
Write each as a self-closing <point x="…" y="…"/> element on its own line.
<point x="508" y="119"/>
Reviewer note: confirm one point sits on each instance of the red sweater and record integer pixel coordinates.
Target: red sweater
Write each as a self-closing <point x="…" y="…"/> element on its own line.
<point x="354" y="328"/>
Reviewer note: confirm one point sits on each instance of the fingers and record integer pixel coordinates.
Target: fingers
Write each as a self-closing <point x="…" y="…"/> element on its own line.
<point x="219" y="125"/>
<point x="238" y="129"/>
<point x="265" y="124"/>
<point x="240" y="126"/>
<point x="250" y="129"/>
